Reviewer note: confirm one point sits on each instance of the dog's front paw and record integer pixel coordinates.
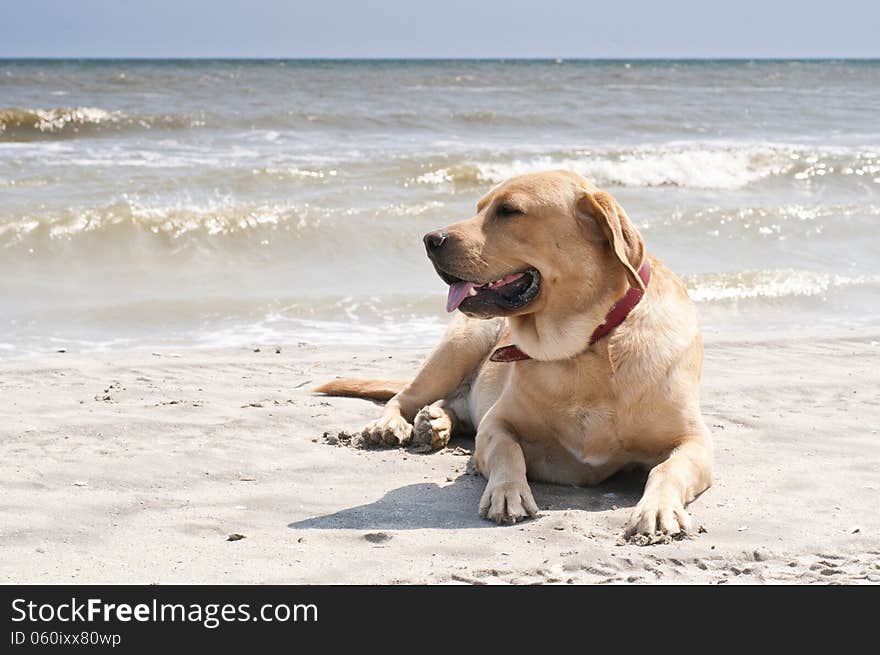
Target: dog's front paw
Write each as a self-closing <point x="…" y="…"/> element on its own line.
<point x="508" y="502"/>
<point x="432" y="427"/>
<point x="390" y="430"/>
<point x="650" y="516"/>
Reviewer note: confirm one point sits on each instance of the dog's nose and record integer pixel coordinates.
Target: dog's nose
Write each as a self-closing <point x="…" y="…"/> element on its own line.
<point x="434" y="240"/>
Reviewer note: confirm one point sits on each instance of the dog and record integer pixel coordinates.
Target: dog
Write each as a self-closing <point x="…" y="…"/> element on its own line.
<point x="573" y="354"/>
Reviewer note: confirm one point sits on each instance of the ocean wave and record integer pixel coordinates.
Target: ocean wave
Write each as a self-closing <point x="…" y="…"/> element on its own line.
<point x="69" y="122"/>
<point x="296" y="173"/>
<point x="769" y="284"/>
<point x="773" y="221"/>
<point x="217" y="222"/>
<point x="172" y="220"/>
<point x="726" y="167"/>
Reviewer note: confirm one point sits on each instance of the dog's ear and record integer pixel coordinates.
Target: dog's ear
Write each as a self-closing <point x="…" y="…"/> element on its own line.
<point x="621" y="234"/>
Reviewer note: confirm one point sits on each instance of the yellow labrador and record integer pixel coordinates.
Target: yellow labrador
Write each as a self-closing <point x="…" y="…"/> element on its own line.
<point x="573" y="354"/>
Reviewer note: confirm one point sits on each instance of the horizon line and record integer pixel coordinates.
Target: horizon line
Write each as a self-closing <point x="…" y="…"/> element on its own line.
<point x="442" y="59"/>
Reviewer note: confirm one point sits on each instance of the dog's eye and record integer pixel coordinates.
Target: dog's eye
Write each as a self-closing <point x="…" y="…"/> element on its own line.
<point x="507" y="210"/>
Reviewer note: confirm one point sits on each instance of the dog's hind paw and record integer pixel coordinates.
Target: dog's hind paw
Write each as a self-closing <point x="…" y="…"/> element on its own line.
<point x="432" y="426"/>
<point x="388" y="431"/>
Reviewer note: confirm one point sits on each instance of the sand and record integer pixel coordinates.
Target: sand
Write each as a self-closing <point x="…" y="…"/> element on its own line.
<point x="137" y="467"/>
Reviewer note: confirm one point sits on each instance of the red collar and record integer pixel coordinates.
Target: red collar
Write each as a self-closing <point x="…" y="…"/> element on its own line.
<point x="615" y="316"/>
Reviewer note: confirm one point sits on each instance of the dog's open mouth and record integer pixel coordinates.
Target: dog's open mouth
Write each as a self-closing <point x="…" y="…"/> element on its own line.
<point x="500" y="296"/>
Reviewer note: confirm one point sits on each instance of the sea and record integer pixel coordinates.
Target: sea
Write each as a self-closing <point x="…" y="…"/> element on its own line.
<point x="232" y="203"/>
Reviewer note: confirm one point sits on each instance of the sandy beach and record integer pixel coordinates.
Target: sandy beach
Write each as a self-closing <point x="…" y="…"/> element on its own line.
<point x="170" y="223"/>
<point x="136" y="467"/>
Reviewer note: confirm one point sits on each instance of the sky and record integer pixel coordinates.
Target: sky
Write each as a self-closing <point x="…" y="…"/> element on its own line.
<point x="440" y="28"/>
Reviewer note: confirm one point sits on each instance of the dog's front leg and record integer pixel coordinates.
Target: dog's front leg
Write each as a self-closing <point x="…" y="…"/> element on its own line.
<point x="499" y="457"/>
<point x="672" y="484"/>
<point x="466" y="342"/>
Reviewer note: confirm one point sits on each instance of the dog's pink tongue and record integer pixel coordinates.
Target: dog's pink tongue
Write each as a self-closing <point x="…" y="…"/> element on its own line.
<point x="457" y="293"/>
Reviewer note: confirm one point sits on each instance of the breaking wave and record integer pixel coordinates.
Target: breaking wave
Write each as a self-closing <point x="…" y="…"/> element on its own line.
<point x="698" y="167"/>
<point x="70" y="122"/>
<point x="220" y="224"/>
<point x="770" y="284"/>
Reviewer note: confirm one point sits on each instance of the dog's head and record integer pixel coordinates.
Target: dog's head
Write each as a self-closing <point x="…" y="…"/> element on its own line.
<point x="549" y="251"/>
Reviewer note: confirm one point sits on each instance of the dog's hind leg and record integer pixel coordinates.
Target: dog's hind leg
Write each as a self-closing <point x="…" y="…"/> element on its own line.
<point x="437" y="423"/>
<point x="463" y="348"/>
<point x="433" y="425"/>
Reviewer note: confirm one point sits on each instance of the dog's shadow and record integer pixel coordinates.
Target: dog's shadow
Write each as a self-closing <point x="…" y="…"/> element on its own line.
<point x="454" y="505"/>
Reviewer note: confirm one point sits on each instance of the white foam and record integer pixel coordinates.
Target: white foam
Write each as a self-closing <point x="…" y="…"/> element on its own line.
<point x="768" y="284"/>
<point x="694" y="168"/>
<point x="695" y="165"/>
<point x="55" y="120"/>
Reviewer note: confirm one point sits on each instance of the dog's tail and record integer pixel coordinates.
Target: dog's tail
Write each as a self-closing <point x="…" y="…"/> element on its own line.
<point x="356" y="388"/>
